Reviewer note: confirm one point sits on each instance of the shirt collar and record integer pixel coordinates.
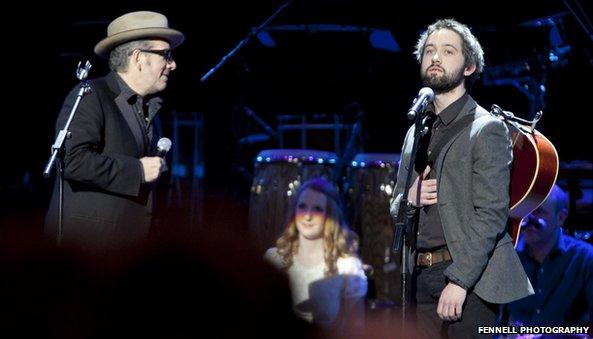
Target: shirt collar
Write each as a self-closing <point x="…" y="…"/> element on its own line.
<point x="125" y="91"/>
<point x="452" y="111"/>
<point x="131" y="97"/>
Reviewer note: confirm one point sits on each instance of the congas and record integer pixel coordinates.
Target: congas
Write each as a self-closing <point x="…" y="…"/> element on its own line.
<point x="369" y="186"/>
<point x="277" y="175"/>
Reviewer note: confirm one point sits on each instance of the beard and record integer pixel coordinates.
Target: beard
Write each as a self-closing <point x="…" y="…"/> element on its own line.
<point x="443" y="83"/>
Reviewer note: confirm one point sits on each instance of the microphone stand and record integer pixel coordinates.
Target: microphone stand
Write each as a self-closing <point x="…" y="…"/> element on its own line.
<point x="269" y="130"/>
<point x="58" y="146"/>
<point x="243" y="42"/>
<point x="405" y="214"/>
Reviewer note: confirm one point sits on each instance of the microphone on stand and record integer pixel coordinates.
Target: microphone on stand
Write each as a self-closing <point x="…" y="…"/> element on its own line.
<point x="162" y="147"/>
<point x="425" y="96"/>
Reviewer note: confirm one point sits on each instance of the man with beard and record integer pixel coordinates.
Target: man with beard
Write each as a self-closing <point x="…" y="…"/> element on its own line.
<point x="465" y="262"/>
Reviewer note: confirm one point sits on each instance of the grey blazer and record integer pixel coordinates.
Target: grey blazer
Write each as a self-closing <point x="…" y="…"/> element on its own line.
<point x="473" y="177"/>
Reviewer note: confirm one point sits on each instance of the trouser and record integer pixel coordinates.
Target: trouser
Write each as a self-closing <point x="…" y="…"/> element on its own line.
<point x="429" y="282"/>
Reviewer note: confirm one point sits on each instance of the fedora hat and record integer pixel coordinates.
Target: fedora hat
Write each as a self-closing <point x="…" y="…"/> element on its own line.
<point x="137" y="25"/>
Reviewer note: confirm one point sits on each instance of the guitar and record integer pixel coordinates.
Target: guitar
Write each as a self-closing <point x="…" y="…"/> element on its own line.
<point x="534" y="171"/>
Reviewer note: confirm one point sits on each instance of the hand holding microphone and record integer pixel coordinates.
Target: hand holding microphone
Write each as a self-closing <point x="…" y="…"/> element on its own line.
<point x="162" y="147"/>
<point x="155" y="165"/>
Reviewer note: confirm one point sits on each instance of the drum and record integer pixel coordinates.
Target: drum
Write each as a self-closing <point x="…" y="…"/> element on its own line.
<point x="369" y="186"/>
<point x="277" y="175"/>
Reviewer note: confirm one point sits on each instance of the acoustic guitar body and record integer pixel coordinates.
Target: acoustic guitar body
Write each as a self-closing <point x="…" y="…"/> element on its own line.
<point x="534" y="173"/>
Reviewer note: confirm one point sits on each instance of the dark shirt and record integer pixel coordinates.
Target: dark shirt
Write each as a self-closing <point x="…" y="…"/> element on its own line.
<point x="563" y="286"/>
<point x="145" y="109"/>
<point x="430" y="228"/>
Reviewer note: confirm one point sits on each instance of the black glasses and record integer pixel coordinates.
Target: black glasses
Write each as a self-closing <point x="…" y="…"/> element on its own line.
<point x="167" y="54"/>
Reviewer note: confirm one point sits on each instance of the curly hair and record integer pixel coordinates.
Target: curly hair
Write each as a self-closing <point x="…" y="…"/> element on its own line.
<point x="471" y="48"/>
<point x="338" y="239"/>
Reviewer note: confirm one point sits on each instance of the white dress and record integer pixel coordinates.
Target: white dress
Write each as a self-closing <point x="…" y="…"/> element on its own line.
<point x="317" y="298"/>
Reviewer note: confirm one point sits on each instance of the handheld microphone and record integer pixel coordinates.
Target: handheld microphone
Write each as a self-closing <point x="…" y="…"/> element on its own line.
<point x="425" y="96"/>
<point x="162" y="147"/>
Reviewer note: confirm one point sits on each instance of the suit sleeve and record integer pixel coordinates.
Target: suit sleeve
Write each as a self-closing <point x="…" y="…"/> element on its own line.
<point x="401" y="176"/>
<point x="83" y="159"/>
<point x="491" y="159"/>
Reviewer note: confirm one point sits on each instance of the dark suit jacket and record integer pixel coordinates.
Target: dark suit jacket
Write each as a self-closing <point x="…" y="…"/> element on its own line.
<point x="473" y="177"/>
<point x="106" y="202"/>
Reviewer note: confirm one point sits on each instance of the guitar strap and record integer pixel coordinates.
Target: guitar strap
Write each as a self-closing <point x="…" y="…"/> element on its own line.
<point x="449" y="134"/>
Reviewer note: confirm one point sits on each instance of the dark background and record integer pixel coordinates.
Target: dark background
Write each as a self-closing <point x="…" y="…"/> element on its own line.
<point x="307" y="72"/>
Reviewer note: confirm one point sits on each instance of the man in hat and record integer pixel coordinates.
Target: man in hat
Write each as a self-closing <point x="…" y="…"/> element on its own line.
<point x="109" y="165"/>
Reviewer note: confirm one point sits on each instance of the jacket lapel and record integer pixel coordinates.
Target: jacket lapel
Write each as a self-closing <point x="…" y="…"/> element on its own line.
<point x="128" y="113"/>
<point x="468" y="108"/>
